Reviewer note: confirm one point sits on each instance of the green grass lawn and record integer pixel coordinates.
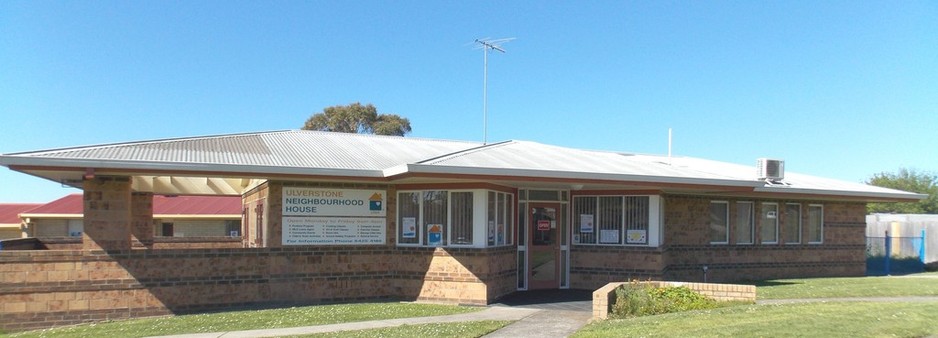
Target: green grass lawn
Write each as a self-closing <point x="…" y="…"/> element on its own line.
<point x="464" y="329"/>
<point x="912" y="285"/>
<point x="834" y="319"/>
<point x="256" y="319"/>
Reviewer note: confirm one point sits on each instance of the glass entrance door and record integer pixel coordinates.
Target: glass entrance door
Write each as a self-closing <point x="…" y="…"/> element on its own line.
<point x="544" y="245"/>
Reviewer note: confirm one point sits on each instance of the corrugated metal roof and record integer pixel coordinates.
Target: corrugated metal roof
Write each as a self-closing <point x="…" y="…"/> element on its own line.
<point x="299" y="152"/>
<point x="10" y="212"/>
<point x="162" y="205"/>
<point x="295" y="148"/>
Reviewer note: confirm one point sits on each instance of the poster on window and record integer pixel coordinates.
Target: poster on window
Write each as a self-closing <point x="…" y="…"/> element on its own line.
<point x="609" y="236"/>
<point x="636" y="237"/>
<point x="434" y="234"/>
<point x="586" y="223"/>
<point x="409" y="227"/>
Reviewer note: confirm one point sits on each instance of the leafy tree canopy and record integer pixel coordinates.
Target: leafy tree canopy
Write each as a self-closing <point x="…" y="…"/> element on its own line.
<point x="358" y="118"/>
<point x="911" y="181"/>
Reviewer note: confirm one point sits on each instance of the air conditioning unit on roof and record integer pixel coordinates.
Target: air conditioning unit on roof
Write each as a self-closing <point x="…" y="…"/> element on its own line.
<point x="769" y="169"/>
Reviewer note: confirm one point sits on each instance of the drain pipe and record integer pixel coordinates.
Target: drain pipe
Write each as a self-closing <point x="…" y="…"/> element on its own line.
<point x="705" y="273"/>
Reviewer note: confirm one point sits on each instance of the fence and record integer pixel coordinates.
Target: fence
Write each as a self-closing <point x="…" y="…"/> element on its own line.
<point x="890" y="255"/>
<point x="906" y="225"/>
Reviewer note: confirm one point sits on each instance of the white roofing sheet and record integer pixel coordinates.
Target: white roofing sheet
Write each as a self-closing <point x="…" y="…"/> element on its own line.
<point x="312" y="152"/>
<point x="297" y="148"/>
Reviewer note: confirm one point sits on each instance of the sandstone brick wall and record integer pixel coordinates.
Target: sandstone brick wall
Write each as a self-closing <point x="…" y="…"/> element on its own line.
<point x="46" y="288"/>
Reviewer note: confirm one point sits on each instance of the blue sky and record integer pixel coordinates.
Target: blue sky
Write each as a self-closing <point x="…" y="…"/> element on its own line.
<point x="838" y="89"/>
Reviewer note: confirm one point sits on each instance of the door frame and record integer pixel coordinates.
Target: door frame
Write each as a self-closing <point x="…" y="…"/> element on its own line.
<point x="555" y="247"/>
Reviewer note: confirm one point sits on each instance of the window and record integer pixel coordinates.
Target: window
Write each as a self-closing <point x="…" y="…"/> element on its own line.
<point x="453" y="218"/>
<point x="792" y="223"/>
<point x="719" y="222"/>
<point x="499" y="212"/>
<point x="611" y="220"/>
<point x="232" y="228"/>
<point x="769" y="223"/>
<point x="461" y="210"/>
<point x="166" y="230"/>
<point x="744" y="223"/>
<point x="815" y="224"/>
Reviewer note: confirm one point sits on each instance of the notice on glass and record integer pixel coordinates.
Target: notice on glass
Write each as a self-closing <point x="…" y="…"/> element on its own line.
<point x="334" y="230"/>
<point x="609" y="236"/>
<point x="409" y="227"/>
<point x="636" y="237"/>
<point x="586" y="223"/>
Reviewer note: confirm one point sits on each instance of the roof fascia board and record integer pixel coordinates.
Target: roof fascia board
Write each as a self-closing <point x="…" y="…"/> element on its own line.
<point x="860" y="194"/>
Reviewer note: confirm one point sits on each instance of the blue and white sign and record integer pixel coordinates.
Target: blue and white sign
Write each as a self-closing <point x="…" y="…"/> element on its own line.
<point x="299" y="201"/>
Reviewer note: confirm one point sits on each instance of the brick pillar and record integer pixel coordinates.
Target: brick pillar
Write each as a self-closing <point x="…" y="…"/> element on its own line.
<point x="107" y="214"/>
<point x="141" y="216"/>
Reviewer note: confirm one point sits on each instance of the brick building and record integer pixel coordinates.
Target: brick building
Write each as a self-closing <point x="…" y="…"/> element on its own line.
<point x="339" y="217"/>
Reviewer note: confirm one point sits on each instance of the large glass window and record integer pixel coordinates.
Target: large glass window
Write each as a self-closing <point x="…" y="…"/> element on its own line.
<point x="769" y="223"/>
<point x="611" y="220"/>
<point x="744" y="223"/>
<point x="448" y="218"/>
<point x="815" y="224"/>
<point x="719" y="222"/>
<point x="792" y="228"/>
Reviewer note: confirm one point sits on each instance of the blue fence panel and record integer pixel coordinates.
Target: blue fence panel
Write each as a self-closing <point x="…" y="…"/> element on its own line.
<point x="895" y="255"/>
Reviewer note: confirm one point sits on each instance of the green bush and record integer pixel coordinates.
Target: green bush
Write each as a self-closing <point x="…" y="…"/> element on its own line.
<point x="638" y="299"/>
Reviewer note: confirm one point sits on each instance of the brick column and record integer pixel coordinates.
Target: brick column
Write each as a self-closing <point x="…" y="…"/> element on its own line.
<point x="141" y="216"/>
<point x="107" y="214"/>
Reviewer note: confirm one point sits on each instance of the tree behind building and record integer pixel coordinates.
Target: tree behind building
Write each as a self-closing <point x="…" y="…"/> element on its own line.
<point x="357" y="118"/>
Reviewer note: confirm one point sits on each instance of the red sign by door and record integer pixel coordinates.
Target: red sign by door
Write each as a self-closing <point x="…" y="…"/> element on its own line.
<point x="543" y="225"/>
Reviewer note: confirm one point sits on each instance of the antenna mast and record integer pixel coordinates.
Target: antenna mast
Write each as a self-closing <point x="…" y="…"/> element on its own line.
<point x="486" y="44"/>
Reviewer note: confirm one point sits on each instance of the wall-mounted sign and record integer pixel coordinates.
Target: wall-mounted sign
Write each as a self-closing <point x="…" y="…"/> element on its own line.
<point x="299" y="201"/>
<point x="333" y="230"/>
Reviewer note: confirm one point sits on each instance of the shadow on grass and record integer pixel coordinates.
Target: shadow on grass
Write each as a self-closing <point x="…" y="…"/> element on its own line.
<point x="761" y="283"/>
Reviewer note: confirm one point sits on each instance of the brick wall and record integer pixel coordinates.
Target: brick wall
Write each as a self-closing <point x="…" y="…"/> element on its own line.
<point x="604" y="297"/>
<point x="594" y="266"/>
<point x="687" y="247"/>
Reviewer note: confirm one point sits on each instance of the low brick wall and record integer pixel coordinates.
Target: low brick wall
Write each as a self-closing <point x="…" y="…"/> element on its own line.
<point x="45" y="288"/>
<point x="604" y="297"/>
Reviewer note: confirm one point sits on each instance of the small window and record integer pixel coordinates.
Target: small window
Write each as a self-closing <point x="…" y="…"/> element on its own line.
<point x="166" y="230"/>
<point x="815" y="224"/>
<point x="769" y="223"/>
<point x="719" y="222"/>
<point x="232" y="228"/>
<point x="744" y="223"/>
<point x="408" y="217"/>
<point x="792" y="223"/>
<point x="435" y="217"/>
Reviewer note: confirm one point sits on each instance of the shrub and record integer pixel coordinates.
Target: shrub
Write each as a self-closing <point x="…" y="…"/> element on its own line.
<point x="640" y="299"/>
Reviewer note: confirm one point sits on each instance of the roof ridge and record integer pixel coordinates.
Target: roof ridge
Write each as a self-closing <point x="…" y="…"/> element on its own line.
<point x="467" y="151"/>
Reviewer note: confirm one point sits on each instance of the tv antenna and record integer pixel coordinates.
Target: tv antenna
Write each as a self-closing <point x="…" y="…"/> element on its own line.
<point x="485" y="44"/>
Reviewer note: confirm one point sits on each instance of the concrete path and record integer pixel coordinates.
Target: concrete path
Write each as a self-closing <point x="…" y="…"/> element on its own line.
<point x="491" y="313"/>
<point x="545" y="323"/>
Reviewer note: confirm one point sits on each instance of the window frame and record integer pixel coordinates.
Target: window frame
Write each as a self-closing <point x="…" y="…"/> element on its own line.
<point x="763" y="217"/>
<point x="651" y="220"/>
<point x="726" y="223"/>
<point x="820" y="225"/>
<point x="479" y="202"/>
<point x="800" y="223"/>
<point x="752" y="223"/>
